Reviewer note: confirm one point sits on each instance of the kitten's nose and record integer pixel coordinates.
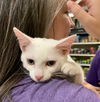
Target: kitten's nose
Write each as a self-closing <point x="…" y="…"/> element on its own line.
<point x="38" y="77"/>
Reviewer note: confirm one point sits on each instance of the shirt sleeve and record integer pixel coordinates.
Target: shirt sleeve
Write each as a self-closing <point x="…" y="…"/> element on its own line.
<point x="92" y="75"/>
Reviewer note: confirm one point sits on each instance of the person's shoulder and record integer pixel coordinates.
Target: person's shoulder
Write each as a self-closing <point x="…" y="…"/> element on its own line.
<point x="55" y="90"/>
<point x="98" y="52"/>
<point x="85" y="95"/>
<point x="97" y="56"/>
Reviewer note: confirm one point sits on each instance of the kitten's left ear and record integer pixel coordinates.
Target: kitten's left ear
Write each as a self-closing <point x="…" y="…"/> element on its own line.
<point x="65" y="44"/>
<point x="23" y="39"/>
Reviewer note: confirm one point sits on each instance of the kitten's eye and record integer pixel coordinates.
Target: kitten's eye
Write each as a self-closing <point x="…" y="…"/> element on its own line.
<point x="50" y="63"/>
<point x="30" y="61"/>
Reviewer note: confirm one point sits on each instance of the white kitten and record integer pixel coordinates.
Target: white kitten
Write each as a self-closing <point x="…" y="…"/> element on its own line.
<point x="42" y="57"/>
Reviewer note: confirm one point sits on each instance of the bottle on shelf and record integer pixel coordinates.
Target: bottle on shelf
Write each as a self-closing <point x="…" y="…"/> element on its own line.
<point x="90" y="50"/>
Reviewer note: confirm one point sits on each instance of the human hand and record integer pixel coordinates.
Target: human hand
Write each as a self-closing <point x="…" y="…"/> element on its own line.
<point x="91" y="19"/>
<point x="93" y="88"/>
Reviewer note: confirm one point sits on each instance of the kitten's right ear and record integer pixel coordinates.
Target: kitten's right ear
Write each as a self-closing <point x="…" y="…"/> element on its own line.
<point x="23" y="39"/>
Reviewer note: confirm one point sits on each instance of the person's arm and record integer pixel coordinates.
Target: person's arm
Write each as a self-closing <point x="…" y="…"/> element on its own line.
<point x="91" y="19"/>
<point x="92" y="75"/>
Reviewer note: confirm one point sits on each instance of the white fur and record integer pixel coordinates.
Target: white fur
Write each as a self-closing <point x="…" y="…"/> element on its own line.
<point x="42" y="50"/>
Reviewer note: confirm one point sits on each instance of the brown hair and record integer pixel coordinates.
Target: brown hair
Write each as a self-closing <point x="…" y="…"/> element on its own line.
<point x="33" y="17"/>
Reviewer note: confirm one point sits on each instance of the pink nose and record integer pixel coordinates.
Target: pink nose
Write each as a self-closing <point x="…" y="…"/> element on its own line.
<point x="38" y="77"/>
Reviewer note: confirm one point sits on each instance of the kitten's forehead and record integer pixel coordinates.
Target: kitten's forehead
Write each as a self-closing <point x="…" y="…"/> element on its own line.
<point x="44" y="42"/>
<point x="41" y="48"/>
<point x="43" y="45"/>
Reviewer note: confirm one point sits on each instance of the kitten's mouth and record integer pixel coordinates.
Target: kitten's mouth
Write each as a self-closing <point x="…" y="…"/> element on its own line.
<point x="43" y="80"/>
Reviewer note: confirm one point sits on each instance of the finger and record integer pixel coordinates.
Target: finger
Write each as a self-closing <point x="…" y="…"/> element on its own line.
<point x="97" y="88"/>
<point x="84" y="18"/>
<point x="96" y="92"/>
<point x="90" y="23"/>
<point x="79" y="13"/>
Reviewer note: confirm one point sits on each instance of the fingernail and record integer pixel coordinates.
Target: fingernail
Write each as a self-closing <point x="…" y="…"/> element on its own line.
<point x="70" y="4"/>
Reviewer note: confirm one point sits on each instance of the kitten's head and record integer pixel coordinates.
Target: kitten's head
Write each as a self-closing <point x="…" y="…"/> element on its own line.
<point x="42" y="57"/>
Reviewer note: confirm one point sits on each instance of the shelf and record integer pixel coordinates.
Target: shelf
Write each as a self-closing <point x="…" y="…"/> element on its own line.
<point x="77" y="31"/>
<point x="87" y="43"/>
<point x="88" y="55"/>
<point x="87" y="65"/>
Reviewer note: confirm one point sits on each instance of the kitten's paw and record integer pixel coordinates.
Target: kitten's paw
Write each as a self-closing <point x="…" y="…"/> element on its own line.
<point x="73" y="70"/>
<point x="65" y="69"/>
<point x="70" y="69"/>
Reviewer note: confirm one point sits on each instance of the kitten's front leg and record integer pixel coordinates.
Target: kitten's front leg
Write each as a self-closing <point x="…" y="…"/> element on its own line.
<point x="73" y="69"/>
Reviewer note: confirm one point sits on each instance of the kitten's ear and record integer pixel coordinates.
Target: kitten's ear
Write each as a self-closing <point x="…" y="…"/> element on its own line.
<point x="65" y="44"/>
<point x="23" y="39"/>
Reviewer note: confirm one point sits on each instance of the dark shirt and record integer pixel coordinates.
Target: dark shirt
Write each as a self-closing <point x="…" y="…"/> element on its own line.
<point x="93" y="76"/>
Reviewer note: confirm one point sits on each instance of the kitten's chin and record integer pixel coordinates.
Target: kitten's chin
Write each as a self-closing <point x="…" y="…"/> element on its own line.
<point x="44" y="80"/>
<point x="41" y="81"/>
